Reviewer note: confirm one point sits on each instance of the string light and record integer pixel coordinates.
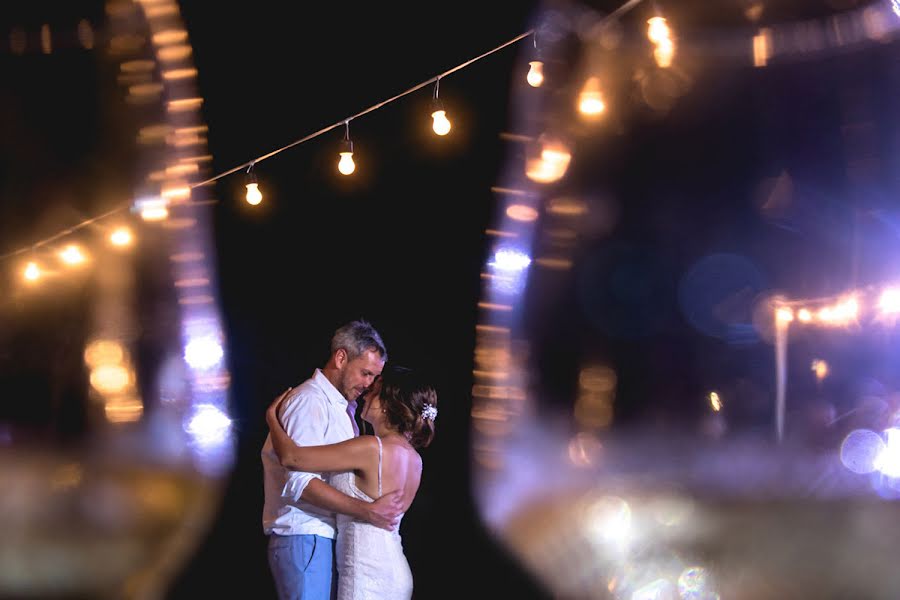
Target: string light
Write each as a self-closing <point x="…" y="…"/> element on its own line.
<point x="32" y="271"/>
<point x="346" y="165"/>
<point x="590" y="101"/>
<point x="156" y="209"/>
<point x="72" y="255"/>
<point x="254" y="196"/>
<point x="441" y="125"/>
<point x="121" y="237"/>
<point x="550" y="161"/>
<point x="660" y="35"/>
<point x="535" y="75"/>
<point x="657" y="30"/>
<point x="552" y="164"/>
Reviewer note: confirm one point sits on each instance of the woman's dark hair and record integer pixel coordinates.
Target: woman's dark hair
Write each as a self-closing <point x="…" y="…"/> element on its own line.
<point x="404" y="396"/>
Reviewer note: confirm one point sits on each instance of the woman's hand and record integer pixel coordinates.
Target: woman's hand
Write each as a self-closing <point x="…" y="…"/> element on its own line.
<point x="272" y="411"/>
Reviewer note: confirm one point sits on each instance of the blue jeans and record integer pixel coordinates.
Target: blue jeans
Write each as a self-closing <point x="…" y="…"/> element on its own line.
<point x="303" y="567"/>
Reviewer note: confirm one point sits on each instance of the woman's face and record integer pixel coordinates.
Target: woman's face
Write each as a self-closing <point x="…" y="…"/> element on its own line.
<point x="372" y="403"/>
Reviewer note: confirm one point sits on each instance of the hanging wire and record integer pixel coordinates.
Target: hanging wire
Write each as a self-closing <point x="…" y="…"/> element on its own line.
<point x="624" y="8"/>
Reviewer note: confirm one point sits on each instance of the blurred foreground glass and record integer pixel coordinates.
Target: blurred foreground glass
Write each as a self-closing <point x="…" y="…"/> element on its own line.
<point x="685" y="382"/>
<point x="115" y="439"/>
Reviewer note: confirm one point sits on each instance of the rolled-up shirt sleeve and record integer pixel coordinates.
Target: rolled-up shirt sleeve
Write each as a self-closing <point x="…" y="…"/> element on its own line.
<point x="304" y="417"/>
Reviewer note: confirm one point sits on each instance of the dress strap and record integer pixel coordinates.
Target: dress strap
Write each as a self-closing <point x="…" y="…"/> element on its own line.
<point x="379" y="465"/>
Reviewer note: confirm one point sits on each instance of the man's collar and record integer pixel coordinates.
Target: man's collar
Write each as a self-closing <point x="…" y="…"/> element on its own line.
<point x="331" y="392"/>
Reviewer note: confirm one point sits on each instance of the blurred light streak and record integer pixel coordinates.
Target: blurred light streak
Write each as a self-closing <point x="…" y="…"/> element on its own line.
<point x="110" y="379"/>
<point x="208" y="426"/>
<point x="123" y="411"/>
<point x="550" y="162"/>
<point x="99" y="352"/>
<point x="498" y="233"/>
<point x="494" y="306"/>
<point x="762" y="47"/>
<point x="567" y="207"/>
<point x="121" y="237"/>
<point x="521" y="212"/>
<point x="508" y="259"/>
<point x="888" y="461"/>
<point x="889" y="301"/>
<point x="784" y="315"/>
<point x="590" y="100"/>
<point x="820" y="368"/>
<point x="561" y="264"/>
<point x="203" y="352"/>
<point x="174" y="53"/>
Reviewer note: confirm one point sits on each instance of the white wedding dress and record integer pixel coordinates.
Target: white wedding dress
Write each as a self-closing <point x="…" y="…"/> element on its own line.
<point x="370" y="561"/>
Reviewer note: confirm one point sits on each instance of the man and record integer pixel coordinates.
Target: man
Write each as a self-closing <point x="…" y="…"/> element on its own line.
<point x="299" y="510"/>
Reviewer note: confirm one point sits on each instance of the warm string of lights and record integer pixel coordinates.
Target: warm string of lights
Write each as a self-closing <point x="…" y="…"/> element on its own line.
<point x="49" y="39"/>
<point x="551" y="163"/>
<point x="549" y="156"/>
<point x="843" y="310"/>
<point x="441" y="126"/>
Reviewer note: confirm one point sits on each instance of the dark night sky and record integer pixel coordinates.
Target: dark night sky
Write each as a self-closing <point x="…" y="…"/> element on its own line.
<point x="401" y="243"/>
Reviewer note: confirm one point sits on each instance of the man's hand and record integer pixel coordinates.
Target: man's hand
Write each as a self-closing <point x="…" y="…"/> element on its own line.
<point x="384" y="513"/>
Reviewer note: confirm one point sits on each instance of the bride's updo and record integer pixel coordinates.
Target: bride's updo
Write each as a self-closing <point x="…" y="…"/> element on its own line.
<point x="410" y="404"/>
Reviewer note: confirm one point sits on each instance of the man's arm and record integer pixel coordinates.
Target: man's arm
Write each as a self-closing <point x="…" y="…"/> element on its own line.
<point x="382" y="513"/>
<point x="304" y="419"/>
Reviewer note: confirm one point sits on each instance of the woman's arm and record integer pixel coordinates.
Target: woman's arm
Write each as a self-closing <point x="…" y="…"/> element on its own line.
<point x="355" y="453"/>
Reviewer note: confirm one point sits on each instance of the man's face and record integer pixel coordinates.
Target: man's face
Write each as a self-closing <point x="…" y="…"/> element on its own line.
<point x="358" y="374"/>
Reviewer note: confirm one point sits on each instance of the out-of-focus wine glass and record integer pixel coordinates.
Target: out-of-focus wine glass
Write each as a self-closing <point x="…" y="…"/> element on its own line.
<point x="684" y="383"/>
<point x="115" y="438"/>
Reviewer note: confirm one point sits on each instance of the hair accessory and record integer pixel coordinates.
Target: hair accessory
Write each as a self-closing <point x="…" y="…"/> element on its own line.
<point x="429" y="411"/>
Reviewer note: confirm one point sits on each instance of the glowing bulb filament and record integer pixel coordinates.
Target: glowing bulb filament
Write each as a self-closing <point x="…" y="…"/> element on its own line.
<point x="664" y="52"/>
<point x="32" y="271"/>
<point x="657" y="29"/>
<point x="441" y="123"/>
<point x="120" y="237"/>
<point x="254" y="196"/>
<point x="535" y="75"/>
<point x="346" y="165"/>
<point x="590" y="101"/>
<point x="72" y="255"/>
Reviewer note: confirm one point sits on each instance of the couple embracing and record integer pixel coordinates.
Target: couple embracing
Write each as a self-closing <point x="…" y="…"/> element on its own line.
<point x="334" y="498"/>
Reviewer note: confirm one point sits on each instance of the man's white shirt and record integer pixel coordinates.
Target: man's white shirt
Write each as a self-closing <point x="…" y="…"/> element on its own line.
<point x="313" y="414"/>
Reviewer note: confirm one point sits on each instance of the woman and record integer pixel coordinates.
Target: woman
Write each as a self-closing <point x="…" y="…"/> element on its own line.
<point x="401" y="409"/>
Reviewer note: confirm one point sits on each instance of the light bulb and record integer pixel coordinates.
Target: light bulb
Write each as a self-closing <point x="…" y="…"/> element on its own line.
<point x="550" y="162"/>
<point x="254" y="196"/>
<point x="346" y="165"/>
<point x="441" y="123"/>
<point x="153" y="208"/>
<point x="664" y="52"/>
<point x="590" y="100"/>
<point x="72" y="255"/>
<point x="657" y="29"/>
<point x="121" y="237"/>
<point x="32" y="271"/>
<point x="535" y="75"/>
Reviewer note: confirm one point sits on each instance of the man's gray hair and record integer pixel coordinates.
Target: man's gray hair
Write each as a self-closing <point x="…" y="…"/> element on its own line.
<point x="356" y="337"/>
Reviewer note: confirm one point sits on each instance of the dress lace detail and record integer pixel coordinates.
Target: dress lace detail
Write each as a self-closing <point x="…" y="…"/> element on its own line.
<point x="370" y="561"/>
